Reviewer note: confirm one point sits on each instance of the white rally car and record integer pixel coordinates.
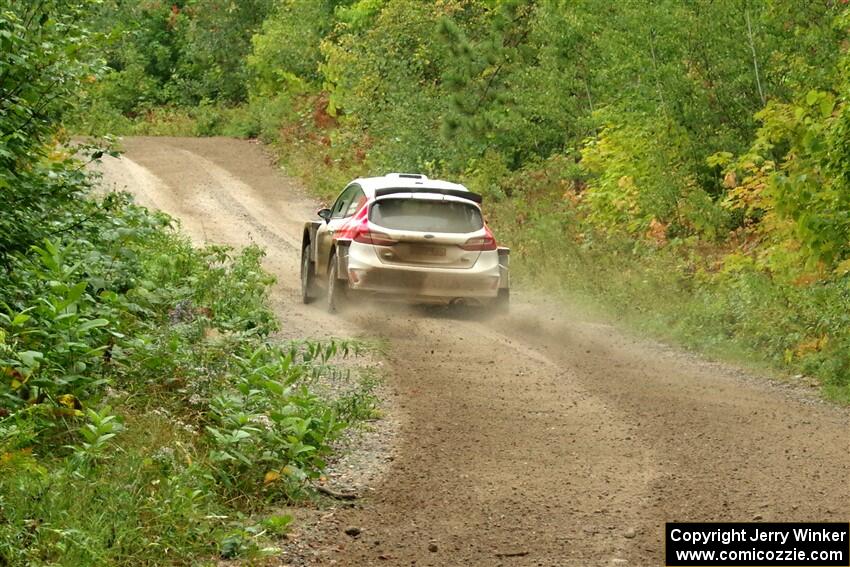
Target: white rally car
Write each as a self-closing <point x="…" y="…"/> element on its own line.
<point x="404" y="236"/>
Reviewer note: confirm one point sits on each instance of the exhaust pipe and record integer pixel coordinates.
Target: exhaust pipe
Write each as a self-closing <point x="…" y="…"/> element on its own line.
<point x="457" y="302"/>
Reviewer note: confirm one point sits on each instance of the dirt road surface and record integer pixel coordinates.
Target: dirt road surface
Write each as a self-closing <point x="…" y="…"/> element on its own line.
<point x="540" y="438"/>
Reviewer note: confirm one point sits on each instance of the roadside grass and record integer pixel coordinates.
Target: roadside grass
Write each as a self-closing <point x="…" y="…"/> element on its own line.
<point x="261" y="118"/>
<point x="147" y="414"/>
<point x="684" y="293"/>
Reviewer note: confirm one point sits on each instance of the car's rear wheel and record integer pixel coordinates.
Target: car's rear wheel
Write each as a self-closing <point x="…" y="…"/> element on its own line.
<point x="308" y="276"/>
<point x="337" y="288"/>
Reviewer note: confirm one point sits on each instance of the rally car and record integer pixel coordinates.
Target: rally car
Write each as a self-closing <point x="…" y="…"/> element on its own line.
<point x="404" y="237"/>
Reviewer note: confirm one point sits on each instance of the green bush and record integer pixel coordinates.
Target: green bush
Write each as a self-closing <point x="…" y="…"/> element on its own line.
<point x="286" y="51"/>
<point x="639" y="175"/>
<point x="139" y="390"/>
<point x="125" y="352"/>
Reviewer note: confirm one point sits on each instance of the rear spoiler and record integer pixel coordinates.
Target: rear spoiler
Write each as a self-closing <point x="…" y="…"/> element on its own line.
<point x="468" y="195"/>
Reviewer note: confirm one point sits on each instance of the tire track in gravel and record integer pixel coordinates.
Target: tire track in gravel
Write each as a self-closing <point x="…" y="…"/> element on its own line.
<point x="539" y="438"/>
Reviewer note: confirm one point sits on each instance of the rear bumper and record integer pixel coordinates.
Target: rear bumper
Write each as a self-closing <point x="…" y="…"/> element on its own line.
<point x="366" y="273"/>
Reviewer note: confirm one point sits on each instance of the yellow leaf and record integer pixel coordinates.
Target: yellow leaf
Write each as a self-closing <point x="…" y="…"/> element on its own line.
<point x="69" y="401"/>
<point x="810" y="345"/>
<point x="271" y="476"/>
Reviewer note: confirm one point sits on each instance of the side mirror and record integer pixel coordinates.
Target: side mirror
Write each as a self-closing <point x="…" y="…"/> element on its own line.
<point x="325" y="214"/>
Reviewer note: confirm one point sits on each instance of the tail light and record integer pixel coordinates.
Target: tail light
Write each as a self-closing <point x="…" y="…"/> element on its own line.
<point x="481" y="243"/>
<point x="364" y="235"/>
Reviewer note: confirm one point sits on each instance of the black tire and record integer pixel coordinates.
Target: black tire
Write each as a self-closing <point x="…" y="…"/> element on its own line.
<point x="308" y="276"/>
<point x="337" y="288"/>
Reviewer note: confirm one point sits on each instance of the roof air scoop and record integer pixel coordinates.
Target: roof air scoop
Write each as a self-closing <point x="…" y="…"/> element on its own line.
<point x="407" y="175"/>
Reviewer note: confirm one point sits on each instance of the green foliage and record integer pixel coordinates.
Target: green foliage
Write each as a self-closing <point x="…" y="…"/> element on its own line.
<point x="131" y="515"/>
<point x="359" y="15"/>
<point x="268" y="428"/>
<point x="805" y="197"/>
<point x="386" y="77"/>
<point x="216" y="38"/>
<point x="260" y="118"/>
<point x="96" y="436"/>
<point x="286" y="51"/>
<point x="706" y="142"/>
<point x="619" y="136"/>
<point x="43" y="63"/>
<point x="128" y="358"/>
<point x="639" y="174"/>
<point x="138" y="380"/>
<point x="487" y="49"/>
<point x="166" y="53"/>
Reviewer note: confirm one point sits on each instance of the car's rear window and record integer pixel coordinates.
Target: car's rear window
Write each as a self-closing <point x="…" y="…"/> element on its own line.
<point x="426" y="215"/>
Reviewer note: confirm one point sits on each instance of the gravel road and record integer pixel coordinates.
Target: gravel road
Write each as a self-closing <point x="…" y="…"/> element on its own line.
<point x="539" y="438"/>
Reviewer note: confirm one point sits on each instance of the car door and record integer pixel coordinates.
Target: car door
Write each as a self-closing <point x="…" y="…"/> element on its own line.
<point x="325" y="233"/>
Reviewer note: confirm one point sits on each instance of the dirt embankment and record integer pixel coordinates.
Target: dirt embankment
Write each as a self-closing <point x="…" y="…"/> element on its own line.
<point x="540" y="438"/>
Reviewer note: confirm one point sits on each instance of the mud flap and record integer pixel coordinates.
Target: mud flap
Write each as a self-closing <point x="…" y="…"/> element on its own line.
<point x="342" y="249"/>
<point x="504" y="267"/>
<point x="310" y="229"/>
